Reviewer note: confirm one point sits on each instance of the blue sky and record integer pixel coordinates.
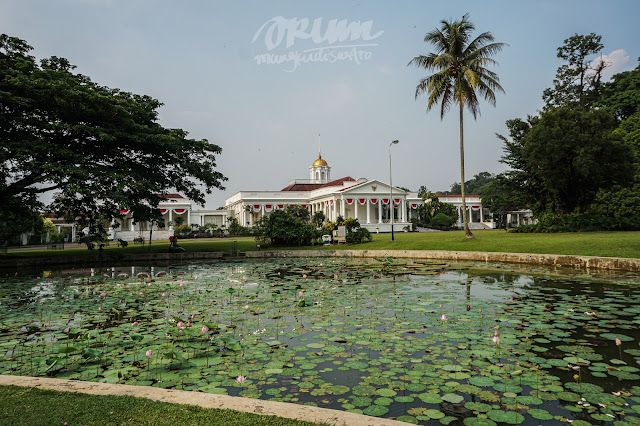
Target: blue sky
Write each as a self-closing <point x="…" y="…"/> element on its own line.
<point x="198" y="58"/>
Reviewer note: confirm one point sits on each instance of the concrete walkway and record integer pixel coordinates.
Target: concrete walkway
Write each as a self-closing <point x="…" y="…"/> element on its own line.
<point x="205" y="400"/>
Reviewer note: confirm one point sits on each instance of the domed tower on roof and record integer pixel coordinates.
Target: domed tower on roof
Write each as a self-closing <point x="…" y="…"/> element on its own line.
<point x="319" y="172"/>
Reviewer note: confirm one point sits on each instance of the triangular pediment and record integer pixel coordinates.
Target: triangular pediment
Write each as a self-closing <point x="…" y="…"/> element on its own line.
<point x="371" y="188"/>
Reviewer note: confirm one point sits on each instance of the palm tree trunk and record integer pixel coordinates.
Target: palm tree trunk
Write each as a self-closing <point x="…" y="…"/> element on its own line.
<point x="467" y="231"/>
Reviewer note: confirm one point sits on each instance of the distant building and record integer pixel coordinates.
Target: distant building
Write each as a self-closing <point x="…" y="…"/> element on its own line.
<point x="367" y="200"/>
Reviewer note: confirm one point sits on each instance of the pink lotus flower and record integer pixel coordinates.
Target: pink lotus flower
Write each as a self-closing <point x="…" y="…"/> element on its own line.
<point x="103" y="294"/>
<point x="443" y="317"/>
<point x="193" y="316"/>
<point x="246" y="306"/>
<point x="205" y="329"/>
<point x="304" y="275"/>
<point x="149" y="284"/>
<point x="99" y="308"/>
<point x="300" y="294"/>
<point x="240" y="379"/>
<point x="127" y="285"/>
<point x="278" y="273"/>
<point x="618" y="342"/>
<point x="496" y="340"/>
<point x="149" y="353"/>
<point x="495" y="332"/>
<point x="180" y="325"/>
<point x="181" y="284"/>
<point x="120" y="301"/>
<point x="164" y="294"/>
<point x="135" y="323"/>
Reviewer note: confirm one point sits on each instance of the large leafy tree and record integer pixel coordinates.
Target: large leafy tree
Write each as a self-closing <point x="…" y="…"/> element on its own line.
<point x="101" y="149"/>
<point x="460" y="77"/>
<point x="578" y="82"/>
<point x="561" y="161"/>
<point x="621" y="95"/>
<point x="475" y="185"/>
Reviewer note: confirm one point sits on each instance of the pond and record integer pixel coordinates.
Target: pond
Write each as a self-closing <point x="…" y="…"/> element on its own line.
<point x="419" y="341"/>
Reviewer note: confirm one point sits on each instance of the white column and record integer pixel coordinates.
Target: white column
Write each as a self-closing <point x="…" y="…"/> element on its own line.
<point x="379" y="211"/>
<point x="368" y="210"/>
<point x="343" y="209"/>
<point x="170" y="220"/>
<point x="481" y="215"/>
<point x="262" y="212"/>
<point x="335" y="209"/>
<point x="189" y="217"/>
<point x="355" y="208"/>
<point x="403" y="212"/>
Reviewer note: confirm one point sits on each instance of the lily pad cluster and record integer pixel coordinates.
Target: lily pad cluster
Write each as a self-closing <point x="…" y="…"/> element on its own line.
<point x="423" y="342"/>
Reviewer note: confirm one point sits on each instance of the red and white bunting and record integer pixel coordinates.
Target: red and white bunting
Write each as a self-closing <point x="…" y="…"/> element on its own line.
<point x="268" y="208"/>
<point x="292" y="205"/>
<point x="374" y="201"/>
<point x="414" y="206"/>
<point x="123" y="211"/>
<point x="475" y="208"/>
<point x="256" y="208"/>
<point x="396" y="201"/>
<point x="326" y="203"/>
<point x="362" y="201"/>
<point x="179" y="211"/>
<point x="280" y="206"/>
<point x="304" y="206"/>
<point x="385" y="201"/>
<point x="349" y="201"/>
<point x="164" y="211"/>
<point x="331" y="202"/>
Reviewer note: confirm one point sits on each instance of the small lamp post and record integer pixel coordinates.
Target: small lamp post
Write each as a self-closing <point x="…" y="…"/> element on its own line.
<point x="391" y="190"/>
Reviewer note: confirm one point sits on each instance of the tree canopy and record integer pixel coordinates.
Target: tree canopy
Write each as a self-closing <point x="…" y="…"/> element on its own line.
<point x="100" y="148"/>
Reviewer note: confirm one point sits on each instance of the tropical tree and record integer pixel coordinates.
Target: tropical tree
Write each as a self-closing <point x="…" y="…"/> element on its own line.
<point x="460" y="76"/>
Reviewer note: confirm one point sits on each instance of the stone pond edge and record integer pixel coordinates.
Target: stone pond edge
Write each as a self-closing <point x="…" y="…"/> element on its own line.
<point x="552" y="260"/>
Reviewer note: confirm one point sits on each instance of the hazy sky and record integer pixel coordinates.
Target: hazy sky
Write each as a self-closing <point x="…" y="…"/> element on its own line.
<point x="201" y="59"/>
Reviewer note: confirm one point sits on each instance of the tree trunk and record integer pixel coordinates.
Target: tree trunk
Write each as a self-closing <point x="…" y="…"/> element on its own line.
<point x="150" y="234"/>
<point x="467" y="231"/>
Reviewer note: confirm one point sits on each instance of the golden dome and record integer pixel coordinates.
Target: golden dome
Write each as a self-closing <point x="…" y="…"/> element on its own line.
<point x="319" y="162"/>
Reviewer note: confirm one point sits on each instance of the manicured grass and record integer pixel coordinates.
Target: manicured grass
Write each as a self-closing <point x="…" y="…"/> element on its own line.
<point x="29" y="406"/>
<point x="607" y="244"/>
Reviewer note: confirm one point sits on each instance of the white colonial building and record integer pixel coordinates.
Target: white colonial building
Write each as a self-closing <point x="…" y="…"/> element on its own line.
<point x="369" y="201"/>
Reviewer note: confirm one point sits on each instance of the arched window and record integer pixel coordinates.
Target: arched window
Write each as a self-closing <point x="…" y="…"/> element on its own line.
<point x="317" y="175"/>
<point x="323" y="175"/>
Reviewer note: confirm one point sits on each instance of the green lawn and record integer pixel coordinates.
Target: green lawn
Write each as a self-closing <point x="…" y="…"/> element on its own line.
<point x="30" y="406"/>
<point x="608" y="244"/>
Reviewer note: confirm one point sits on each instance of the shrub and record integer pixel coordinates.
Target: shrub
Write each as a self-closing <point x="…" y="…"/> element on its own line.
<point x="580" y="223"/>
<point x="441" y="221"/>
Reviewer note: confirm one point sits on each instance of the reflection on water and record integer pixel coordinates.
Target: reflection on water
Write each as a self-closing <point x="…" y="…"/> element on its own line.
<point x="421" y="341"/>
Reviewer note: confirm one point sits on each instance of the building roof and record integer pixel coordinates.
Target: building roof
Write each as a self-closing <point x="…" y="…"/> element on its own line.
<point x="171" y="196"/>
<point x="459" y="195"/>
<point x="312" y="186"/>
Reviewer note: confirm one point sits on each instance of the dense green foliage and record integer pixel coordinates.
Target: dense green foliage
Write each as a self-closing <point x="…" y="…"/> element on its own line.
<point x="288" y="227"/>
<point x="433" y="207"/>
<point x="581" y="222"/>
<point x="461" y="77"/>
<point x="581" y="156"/>
<point x="100" y="148"/>
<point x="476" y="186"/>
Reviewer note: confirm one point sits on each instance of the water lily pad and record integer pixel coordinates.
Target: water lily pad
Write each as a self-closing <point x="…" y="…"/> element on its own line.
<point x="375" y="410"/>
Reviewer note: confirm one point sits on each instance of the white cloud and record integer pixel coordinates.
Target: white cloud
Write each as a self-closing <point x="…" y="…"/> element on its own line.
<point x="617" y="60"/>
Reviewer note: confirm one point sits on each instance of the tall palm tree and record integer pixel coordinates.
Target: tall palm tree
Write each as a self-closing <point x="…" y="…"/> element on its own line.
<point x="460" y="76"/>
